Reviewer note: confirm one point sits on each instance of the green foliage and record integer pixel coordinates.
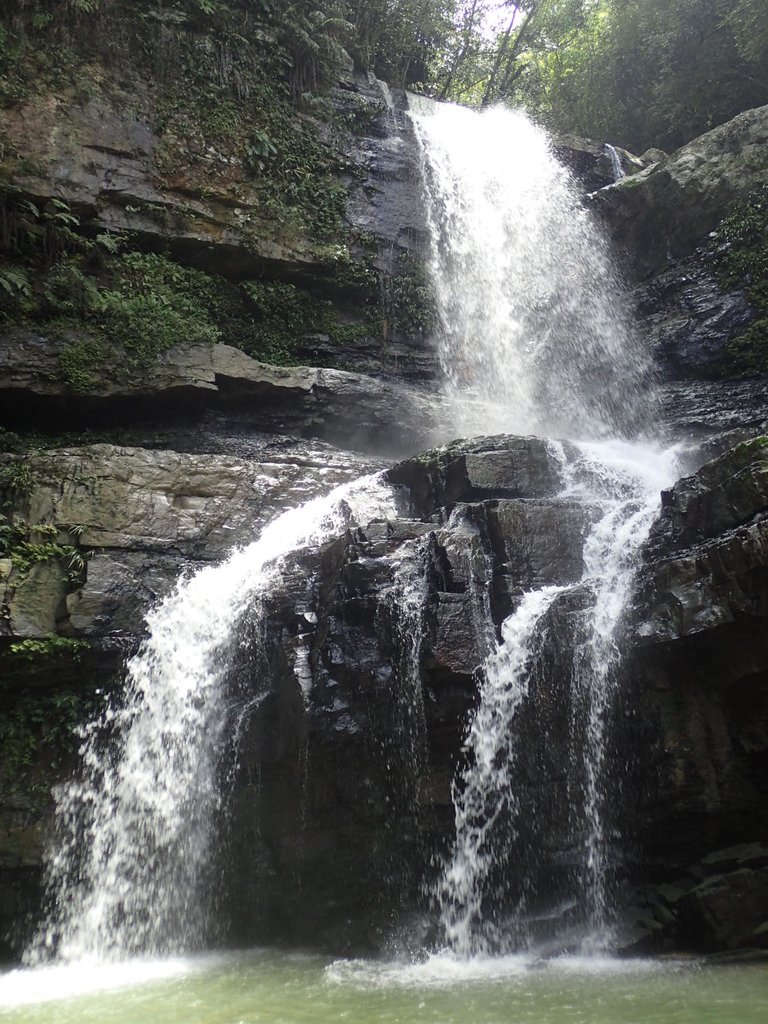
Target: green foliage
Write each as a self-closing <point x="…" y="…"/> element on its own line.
<point x="14" y="280"/>
<point x="15" y="478"/>
<point x="39" y="730"/>
<point x="19" y="543"/>
<point x="741" y="253"/>
<point x="285" y="314"/>
<point x="258" y="152"/>
<point x="640" y="72"/>
<point x="29" y="545"/>
<point x="84" y="362"/>
<point x="409" y="304"/>
<point x="155" y="305"/>
<point x="47" y="647"/>
<point x="401" y="40"/>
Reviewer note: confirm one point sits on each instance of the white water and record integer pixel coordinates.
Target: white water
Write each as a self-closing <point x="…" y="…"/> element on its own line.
<point x="626" y="481"/>
<point x="129" y="868"/>
<point x="616" y="167"/>
<point x="485" y="791"/>
<point x="623" y="481"/>
<point x="534" y="336"/>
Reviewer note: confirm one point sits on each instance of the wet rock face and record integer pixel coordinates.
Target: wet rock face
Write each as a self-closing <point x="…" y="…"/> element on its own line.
<point x="373" y="688"/>
<point x="590" y="162"/>
<point x="699" y="674"/>
<point x="662" y="222"/>
<point x="482" y="467"/>
<point x="366" y="742"/>
<point x="689" y="319"/>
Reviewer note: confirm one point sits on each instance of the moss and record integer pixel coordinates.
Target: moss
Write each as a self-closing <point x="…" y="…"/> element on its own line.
<point x="36" y="441"/>
<point x="740" y="249"/>
<point x="258" y="135"/>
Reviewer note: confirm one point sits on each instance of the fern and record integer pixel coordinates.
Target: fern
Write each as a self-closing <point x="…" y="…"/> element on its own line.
<point x="15" y="281"/>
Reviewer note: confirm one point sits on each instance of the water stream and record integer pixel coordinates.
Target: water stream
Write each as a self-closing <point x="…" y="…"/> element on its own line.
<point x="535" y="336"/>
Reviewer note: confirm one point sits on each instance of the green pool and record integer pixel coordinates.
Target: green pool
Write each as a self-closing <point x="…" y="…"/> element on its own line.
<point x="269" y="987"/>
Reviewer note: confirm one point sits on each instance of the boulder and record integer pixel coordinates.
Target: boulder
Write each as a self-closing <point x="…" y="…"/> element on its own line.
<point x="725" y="493"/>
<point x="669" y="209"/>
<point x="726" y="911"/>
<point x="503" y="466"/>
<point x="590" y="162"/>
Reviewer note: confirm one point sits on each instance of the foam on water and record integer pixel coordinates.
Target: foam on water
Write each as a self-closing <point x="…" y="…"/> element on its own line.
<point x="28" y="986"/>
<point x="447" y="969"/>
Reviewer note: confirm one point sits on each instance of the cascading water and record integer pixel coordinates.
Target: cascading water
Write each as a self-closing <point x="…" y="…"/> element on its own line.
<point x="485" y="790"/>
<point x="128" y="869"/>
<point x="616" y="167"/>
<point x="534" y="338"/>
<point x="624" y="480"/>
<point x="534" y="335"/>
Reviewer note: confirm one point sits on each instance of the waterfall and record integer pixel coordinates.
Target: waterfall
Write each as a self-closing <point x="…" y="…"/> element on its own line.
<point x="485" y="791"/>
<point x="625" y="481"/>
<point x="616" y="167"/>
<point x="129" y="868"/>
<point x="534" y="336"/>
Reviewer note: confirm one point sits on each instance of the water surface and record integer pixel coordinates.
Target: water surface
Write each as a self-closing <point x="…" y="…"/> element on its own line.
<point x="269" y="987"/>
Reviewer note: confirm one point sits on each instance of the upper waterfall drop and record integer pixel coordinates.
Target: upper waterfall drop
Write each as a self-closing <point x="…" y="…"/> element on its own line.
<point x="534" y="336"/>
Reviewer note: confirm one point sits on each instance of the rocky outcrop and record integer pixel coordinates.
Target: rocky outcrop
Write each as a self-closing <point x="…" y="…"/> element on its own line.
<point x="185" y="382"/>
<point x="105" y="157"/>
<point x="668" y="210"/>
<point x="371" y="694"/>
<point x="690" y="319"/>
<point x="138" y="518"/>
<point x="700" y="677"/>
<point x="591" y="163"/>
<point x="663" y="222"/>
<point x="715" y="412"/>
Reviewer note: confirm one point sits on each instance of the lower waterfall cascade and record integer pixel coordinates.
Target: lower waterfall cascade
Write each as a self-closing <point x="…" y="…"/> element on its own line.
<point x="623" y="481"/>
<point x="131" y="860"/>
<point x="534" y="338"/>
